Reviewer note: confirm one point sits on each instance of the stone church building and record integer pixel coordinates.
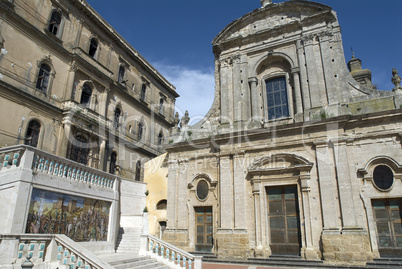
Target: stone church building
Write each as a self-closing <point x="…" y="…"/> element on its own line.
<point x="297" y="156"/>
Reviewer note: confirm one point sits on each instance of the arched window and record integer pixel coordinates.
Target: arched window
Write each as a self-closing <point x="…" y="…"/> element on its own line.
<point x="113" y="160"/>
<point x="93" y="47"/>
<point x="116" y="121"/>
<point x="143" y="91"/>
<point x="86" y="95"/>
<point x="383" y="177"/>
<point x="43" y="78"/>
<point x="161" y="205"/>
<point x="32" y="135"/>
<point x="277" y="98"/>
<point x="122" y="70"/>
<point x="140" y="131"/>
<point x="160" y="138"/>
<point x="161" y="102"/>
<point x="55" y="22"/>
<point x="138" y="171"/>
<point x="79" y="151"/>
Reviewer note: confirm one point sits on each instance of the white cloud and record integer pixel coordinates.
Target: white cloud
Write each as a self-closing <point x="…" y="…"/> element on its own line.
<point x="196" y="89"/>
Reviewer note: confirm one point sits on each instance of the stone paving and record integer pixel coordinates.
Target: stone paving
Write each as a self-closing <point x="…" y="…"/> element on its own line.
<point x="232" y="266"/>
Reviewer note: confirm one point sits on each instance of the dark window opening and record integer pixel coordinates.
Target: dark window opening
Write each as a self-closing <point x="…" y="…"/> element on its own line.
<point x="161" y="101"/>
<point x="93" y="47"/>
<point x="32" y="135"/>
<point x="140" y="131"/>
<point x="143" y="92"/>
<point x="116" y="121"/>
<point x="383" y="177"/>
<point x="113" y="160"/>
<point x="79" y="150"/>
<point x="43" y="78"/>
<point x="86" y="95"/>
<point x="122" y="70"/>
<point x="161" y="205"/>
<point x="138" y="171"/>
<point x="277" y="98"/>
<point x="55" y="21"/>
<point x="160" y="138"/>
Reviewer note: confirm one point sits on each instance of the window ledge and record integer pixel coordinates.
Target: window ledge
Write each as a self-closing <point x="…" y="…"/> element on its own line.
<point x="52" y="36"/>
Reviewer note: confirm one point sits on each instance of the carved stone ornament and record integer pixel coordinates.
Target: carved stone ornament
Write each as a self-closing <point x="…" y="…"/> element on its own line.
<point x="176" y="120"/>
<point x="265" y="3"/>
<point x="396" y="79"/>
<point x="185" y="119"/>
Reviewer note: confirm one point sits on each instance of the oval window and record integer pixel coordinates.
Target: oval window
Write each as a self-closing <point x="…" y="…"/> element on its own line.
<point x="202" y="190"/>
<point x="383" y="177"/>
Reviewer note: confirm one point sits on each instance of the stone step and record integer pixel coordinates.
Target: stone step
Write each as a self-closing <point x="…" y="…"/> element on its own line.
<point x="385" y="263"/>
<point x="137" y="263"/>
<point x="282" y="261"/>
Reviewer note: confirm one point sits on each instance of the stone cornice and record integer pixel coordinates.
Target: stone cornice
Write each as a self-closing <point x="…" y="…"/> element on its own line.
<point x="109" y="30"/>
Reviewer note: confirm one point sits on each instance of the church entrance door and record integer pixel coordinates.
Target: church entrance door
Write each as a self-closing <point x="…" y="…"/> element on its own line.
<point x="283" y="219"/>
<point x="204" y="229"/>
<point x="388" y="218"/>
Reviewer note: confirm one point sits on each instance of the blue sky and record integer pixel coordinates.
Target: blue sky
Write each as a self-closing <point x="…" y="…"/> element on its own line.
<point x="175" y="37"/>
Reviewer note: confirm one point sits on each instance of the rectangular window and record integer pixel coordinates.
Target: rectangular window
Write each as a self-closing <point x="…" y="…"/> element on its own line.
<point x="277" y="98"/>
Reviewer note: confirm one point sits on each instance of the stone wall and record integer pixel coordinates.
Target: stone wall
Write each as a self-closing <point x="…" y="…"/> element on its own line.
<point x="352" y="248"/>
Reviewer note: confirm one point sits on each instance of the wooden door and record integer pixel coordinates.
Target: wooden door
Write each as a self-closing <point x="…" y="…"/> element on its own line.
<point x="284" y="221"/>
<point x="204" y="229"/>
<point x="388" y="218"/>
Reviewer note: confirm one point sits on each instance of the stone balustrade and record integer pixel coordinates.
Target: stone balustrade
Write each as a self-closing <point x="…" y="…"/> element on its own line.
<point x="169" y="254"/>
<point x="51" y="250"/>
<point x="43" y="162"/>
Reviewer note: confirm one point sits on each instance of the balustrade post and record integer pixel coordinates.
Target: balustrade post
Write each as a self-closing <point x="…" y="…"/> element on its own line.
<point x="27" y="263"/>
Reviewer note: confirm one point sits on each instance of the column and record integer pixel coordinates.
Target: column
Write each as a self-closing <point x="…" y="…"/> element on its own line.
<point x="296" y="81"/>
<point x="310" y="252"/>
<point x="257" y="213"/>
<point x="237" y="90"/>
<point x="239" y="192"/>
<point x="328" y="188"/>
<point x="224" y="92"/>
<point x="171" y="194"/>
<point x="182" y="215"/>
<point x="345" y="185"/>
<point x="68" y="92"/>
<point x="253" y="81"/>
<point x="64" y="136"/>
<point x="303" y="76"/>
<point x="226" y="193"/>
<point x="315" y="73"/>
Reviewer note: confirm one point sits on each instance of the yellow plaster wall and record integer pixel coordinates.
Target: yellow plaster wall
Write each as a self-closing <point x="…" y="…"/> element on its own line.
<point x="155" y="175"/>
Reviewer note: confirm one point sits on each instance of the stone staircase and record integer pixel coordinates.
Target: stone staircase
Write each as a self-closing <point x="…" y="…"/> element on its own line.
<point x="129" y="239"/>
<point x="132" y="261"/>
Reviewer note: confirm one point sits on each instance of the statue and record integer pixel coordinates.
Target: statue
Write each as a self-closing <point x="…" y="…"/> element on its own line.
<point x="176" y="120"/>
<point x="396" y="79"/>
<point x="185" y="119"/>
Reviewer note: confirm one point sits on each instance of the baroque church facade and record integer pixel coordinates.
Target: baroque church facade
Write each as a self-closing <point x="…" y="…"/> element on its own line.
<point x="297" y="156"/>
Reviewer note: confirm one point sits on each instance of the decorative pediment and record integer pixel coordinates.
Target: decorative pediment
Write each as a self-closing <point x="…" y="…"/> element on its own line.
<point x="205" y="176"/>
<point x="280" y="163"/>
<point x="272" y="16"/>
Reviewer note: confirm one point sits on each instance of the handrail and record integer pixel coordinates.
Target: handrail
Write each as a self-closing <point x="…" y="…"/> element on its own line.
<point x="68" y="251"/>
<point x="170" y="254"/>
<point x="82" y="252"/>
